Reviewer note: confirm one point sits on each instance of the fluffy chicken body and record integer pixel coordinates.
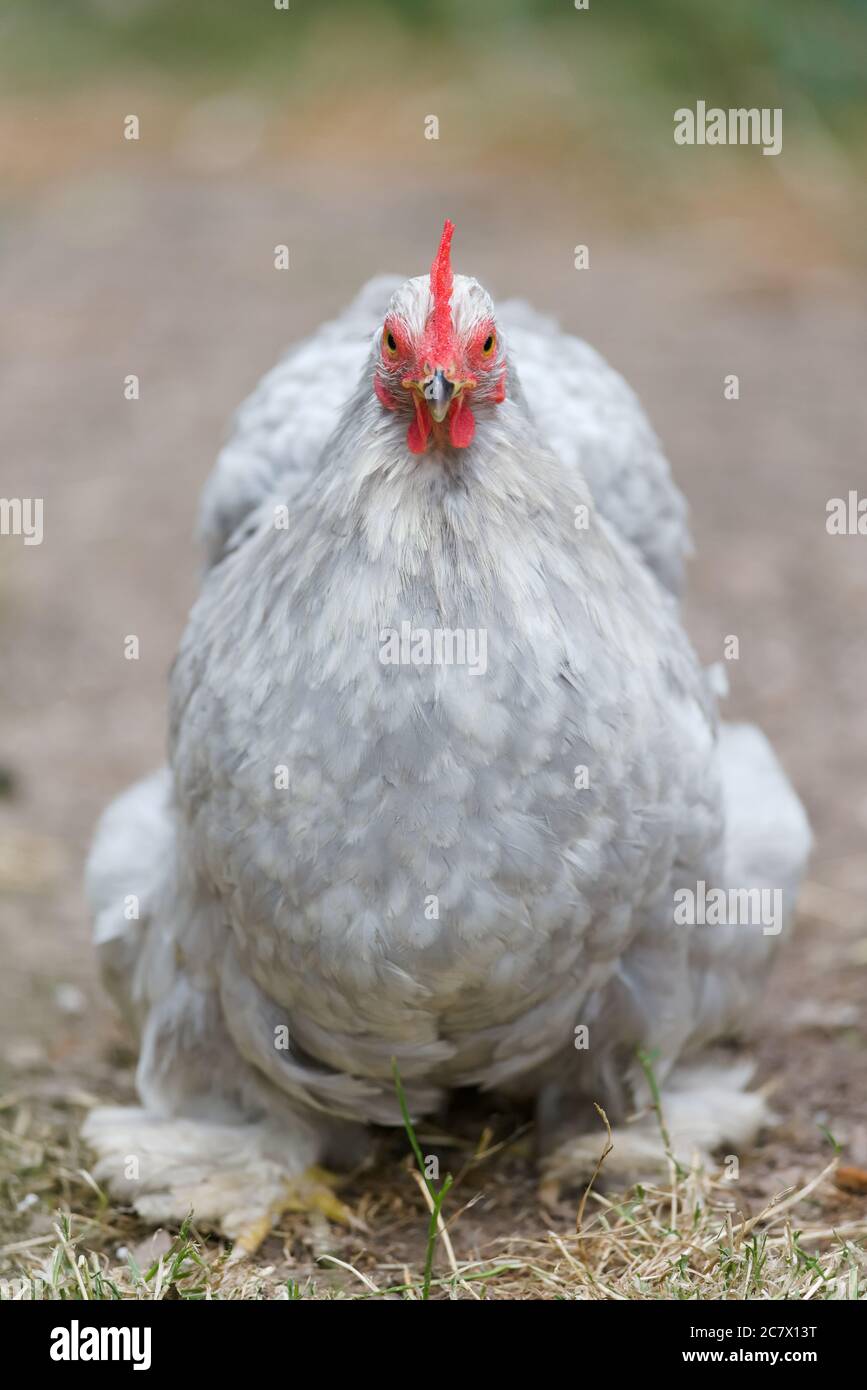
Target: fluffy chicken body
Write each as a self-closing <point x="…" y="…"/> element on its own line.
<point x="355" y="859"/>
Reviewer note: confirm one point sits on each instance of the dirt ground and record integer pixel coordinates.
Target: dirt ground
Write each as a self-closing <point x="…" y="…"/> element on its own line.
<point x="111" y="268"/>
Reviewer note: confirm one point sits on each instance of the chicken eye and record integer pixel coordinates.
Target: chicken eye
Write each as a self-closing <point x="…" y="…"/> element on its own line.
<point x="489" y="344"/>
<point x="390" y="343"/>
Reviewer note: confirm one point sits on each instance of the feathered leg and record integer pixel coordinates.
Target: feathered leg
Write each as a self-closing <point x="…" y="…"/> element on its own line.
<point x="703" y="1105"/>
<point x="201" y="1141"/>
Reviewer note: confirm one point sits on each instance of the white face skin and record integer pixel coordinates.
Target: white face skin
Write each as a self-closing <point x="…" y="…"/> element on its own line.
<point x="440" y="384"/>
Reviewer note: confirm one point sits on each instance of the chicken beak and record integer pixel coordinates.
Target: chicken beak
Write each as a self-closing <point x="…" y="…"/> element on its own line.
<point x="439" y="393"/>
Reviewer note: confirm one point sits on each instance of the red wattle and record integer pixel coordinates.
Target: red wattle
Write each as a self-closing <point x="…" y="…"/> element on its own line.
<point x="462" y="425"/>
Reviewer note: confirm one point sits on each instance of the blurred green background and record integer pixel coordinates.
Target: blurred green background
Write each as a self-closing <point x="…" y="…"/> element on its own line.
<point x="534" y="78"/>
<point x="812" y="50"/>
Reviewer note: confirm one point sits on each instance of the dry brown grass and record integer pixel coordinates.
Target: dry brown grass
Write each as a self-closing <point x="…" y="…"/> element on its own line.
<point x="691" y="1238"/>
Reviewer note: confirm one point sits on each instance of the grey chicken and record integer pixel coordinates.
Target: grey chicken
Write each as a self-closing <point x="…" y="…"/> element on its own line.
<point x="447" y="785"/>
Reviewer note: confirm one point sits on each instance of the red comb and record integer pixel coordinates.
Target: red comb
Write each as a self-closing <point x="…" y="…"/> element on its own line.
<point x="441" y="281"/>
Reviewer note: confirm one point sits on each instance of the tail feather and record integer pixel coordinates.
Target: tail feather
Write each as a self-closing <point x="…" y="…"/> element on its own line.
<point x="767" y="845"/>
<point x="130" y="860"/>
